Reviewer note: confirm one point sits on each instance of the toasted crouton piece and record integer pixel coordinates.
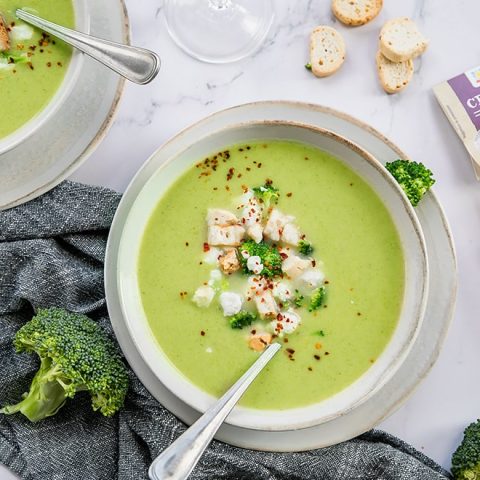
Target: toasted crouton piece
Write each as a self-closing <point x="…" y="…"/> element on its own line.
<point x="356" y="12"/>
<point x="400" y="40"/>
<point x="327" y="51"/>
<point x="394" y="77"/>
<point x="259" y="341"/>
<point x="266" y="305"/>
<point x="4" y="38"/>
<point x="228" y="236"/>
<point x="229" y="262"/>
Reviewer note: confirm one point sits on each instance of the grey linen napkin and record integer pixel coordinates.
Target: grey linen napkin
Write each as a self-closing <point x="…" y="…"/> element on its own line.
<point x="51" y="254"/>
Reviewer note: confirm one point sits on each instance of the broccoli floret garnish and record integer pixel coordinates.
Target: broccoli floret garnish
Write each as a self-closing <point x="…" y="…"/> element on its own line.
<point x="267" y="194"/>
<point x="317" y="298"/>
<point x="269" y="256"/>
<point x="414" y="178"/>
<point x="75" y="355"/>
<point x="305" y="248"/>
<point x="242" y="319"/>
<point x="466" y="459"/>
<point x="308" y="66"/>
<point x="298" y="300"/>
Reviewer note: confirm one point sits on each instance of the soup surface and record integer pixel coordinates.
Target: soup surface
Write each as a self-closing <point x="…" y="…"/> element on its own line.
<point x="353" y="235"/>
<point x="34" y="66"/>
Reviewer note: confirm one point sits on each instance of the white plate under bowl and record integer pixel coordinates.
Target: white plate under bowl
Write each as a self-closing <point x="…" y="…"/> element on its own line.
<point x="54" y="143"/>
<point x="368" y="168"/>
<point x="440" y="304"/>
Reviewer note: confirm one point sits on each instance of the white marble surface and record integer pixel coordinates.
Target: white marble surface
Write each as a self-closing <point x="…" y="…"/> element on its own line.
<point x="186" y="90"/>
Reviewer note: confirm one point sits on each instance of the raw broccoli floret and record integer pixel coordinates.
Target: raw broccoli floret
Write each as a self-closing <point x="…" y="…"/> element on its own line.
<point x="267" y="194"/>
<point x="75" y="355"/>
<point x="298" y="299"/>
<point x="269" y="256"/>
<point x="242" y="319"/>
<point x="305" y="248"/>
<point x="466" y="459"/>
<point x="317" y="298"/>
<point x="414" y="178"/>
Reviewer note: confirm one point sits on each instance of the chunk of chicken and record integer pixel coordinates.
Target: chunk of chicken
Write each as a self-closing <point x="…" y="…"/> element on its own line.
<point x="251" y="218"/>
<point x="286" y="322"/>
<point x="229" y="262"/>
<point x="294" y="265"/>
<point x="4" y="37"/>
<point x="228" y="236"/>
<point x="290" y="234"/>
<point x="221" y="218"/>
<point x="255" y="232"/>
<point x="275" y="224"/>
<point x="266" y="305"/>
<point x="259" y="341"/>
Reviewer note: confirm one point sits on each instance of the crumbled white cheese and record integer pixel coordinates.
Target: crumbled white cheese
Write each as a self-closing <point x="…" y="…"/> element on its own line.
<point x="244" y="254"/>
<point x="216" y="279"/>
<point x="231" y="303"/>
<point x="312" y="278"/>
<point x="203" y="296"/>
<point x="287" y="322"/>
<point x="21" y="32"/>
<point x="211" y="257"/>
<point x="294" y="265"/>
<point x="282" y="291"/>
<point x="209" y="350"/>
<point x="254" y="264"/>
<point x="275" y="224"/>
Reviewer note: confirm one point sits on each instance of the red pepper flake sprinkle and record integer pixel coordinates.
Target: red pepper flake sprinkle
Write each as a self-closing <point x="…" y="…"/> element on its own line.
<point x="289" y="194"/>
<point x="248" y="147"/>
<point x="253" y="332"/>
<point x="314" y="263"/>
<point x="316" y="357"/>
<point x="206" y="247"/>
<point x="285" y="340"/>
<point x="49" y="64"/>
<point x="359" y="314"/>
<point x="327" y="353"/>
<point x="183" y="295"/>
<point x="310" y="369"/>
<point x="248" y="169"/>
<point x="230" y="173"/>
<point x="291" y="351"/>
<point x="259" y="165"/>
<point x="202" y="333"/>
<point x="186" y="244"/>
<point x="227" y="188"/>
<point x="326" y="282"/>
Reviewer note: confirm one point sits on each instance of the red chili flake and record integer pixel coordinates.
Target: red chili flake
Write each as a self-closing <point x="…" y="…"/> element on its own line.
<point x="248" y="147"/>
<point x="285" y="340"/>
<point x="230" y="173"/>
<point x="327" y="353"/>
<point x="283" y="255"/>
<point x="310" y="369"/>
<point x="227" y="188"/>
<point x="291" y="358"/>
<point x="49" y="64"/>
<point x="202" y="333"/>
<point x="240" y="149"/>
<point x="239" y="175"/>
<point x="186" y="244"/>
<point x="41" y="50"/>
<point x="291" y="351"/>
<point x="306" y="158"/>
<point x="372" y="360"/>
<point x="253" y="332"/>
<point x="259" y="165"/>
<point x="351" y="184"/>
<point x="248" y="169"/>
<point x="359" y="314"/>
<point x="215" y="188"/>
<point x="30" y="66"/>
<point x="200" y="263"/>
<point x="206" y="247"/>
<point x="289" y="194"/>
<point x="317" y="357"/>
<point x="314" y="263"/>
<point x="326" y="282"/>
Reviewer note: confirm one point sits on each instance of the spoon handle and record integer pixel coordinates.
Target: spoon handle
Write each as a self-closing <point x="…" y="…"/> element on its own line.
<point x="135" y="64"/>
<point x="178" y="460"/>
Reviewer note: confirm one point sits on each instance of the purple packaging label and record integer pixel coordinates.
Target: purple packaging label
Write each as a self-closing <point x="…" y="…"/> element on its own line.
<point x="467" y="88"/>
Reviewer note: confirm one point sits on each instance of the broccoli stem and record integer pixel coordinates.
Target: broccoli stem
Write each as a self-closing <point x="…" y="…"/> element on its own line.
<point x="45" y="397"/>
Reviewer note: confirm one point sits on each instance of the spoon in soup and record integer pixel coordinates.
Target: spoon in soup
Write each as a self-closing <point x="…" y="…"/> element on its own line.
<point x="178" y="460"/>
<point x="135" y="64"/>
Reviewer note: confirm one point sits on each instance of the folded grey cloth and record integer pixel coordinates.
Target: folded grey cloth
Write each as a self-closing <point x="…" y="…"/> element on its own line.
<point x="51" y="254"/>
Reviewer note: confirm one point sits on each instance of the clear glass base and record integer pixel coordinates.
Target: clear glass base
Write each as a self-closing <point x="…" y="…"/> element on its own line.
<point x="219" y="31"/>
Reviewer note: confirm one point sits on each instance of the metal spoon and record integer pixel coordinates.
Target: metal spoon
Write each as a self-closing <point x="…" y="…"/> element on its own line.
<point x="135" y="64"/>
<point x="179" y="459"/>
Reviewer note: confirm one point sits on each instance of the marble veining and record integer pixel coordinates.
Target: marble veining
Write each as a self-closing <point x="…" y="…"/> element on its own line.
<point x="187" y="90"/>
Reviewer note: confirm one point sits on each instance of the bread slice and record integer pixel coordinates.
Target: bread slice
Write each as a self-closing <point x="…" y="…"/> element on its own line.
<point x="327" y="51"/>
<point x="356" y="12"/>
<point x="394" y="76"/>
<point x="4" y="38"/>
<point x="400" y="40"/>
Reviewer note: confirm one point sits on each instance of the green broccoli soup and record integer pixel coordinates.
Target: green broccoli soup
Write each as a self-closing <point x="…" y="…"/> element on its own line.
<point x="266" y="242"/>
<point x="32" y="64"/>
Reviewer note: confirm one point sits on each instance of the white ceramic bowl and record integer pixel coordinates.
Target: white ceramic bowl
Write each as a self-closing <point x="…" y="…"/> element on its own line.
<point x="416" y="271"/>
<point x="53" y="144"/>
